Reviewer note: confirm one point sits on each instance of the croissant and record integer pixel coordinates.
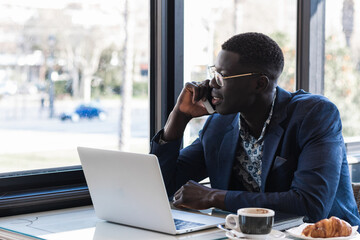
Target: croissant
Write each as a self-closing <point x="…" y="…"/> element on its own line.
<point x="326" y="228"/>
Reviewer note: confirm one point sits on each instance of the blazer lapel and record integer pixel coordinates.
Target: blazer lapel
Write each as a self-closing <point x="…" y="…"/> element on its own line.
<point x="271" y="142"/>
<point x="274" y="134"/>
<point x="227" y="153"/>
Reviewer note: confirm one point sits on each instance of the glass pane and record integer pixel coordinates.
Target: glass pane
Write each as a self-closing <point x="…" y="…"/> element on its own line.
<point x="342" y="62"/>
<point x="209" y="23"/>
<point x="72" y="73"/>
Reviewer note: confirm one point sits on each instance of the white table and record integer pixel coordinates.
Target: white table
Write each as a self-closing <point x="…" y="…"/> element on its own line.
<point x="81" y="224"/>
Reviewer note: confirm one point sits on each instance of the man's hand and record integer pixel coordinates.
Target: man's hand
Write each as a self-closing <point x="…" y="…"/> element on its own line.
<point x="196" y="196"/>
<point x="188" y="106"/>
<point x="189" y="101"/>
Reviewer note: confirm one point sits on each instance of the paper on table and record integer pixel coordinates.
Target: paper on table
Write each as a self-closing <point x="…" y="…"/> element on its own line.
<point x="8" y="234"/>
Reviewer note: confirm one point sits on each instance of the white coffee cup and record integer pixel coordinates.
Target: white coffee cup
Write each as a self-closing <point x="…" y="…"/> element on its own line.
<point x="251" y="220"/>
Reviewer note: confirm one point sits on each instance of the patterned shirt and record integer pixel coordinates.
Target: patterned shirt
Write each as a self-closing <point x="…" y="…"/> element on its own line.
<point x="249" y="152"/>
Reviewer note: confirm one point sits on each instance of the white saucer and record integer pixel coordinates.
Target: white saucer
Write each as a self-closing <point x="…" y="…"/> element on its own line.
<point x="274" y="234"/>
<point x="296" y="232"/>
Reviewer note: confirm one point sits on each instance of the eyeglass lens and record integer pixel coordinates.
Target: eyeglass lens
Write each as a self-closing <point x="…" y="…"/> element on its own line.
<point x="219" y="79"/>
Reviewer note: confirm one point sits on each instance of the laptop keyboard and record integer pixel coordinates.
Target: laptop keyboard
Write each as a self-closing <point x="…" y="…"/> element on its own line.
<point x="182" y="224"/>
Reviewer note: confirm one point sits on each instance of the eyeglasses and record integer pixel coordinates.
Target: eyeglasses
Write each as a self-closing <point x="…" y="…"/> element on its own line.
<point x="219" y="78"/>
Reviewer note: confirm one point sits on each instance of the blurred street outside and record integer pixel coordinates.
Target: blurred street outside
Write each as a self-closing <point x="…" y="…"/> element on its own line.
<point x="30" y="139"/>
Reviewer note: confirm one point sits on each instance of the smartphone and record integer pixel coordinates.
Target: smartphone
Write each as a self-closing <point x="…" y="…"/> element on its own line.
<point x="207" y="104"/>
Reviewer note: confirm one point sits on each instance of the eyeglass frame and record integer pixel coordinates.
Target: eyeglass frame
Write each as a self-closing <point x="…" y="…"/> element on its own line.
<point x="212" y="70"/>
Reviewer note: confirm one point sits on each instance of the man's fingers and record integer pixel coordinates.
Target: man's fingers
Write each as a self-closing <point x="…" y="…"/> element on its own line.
<point x="177" y="194"/>
<point x="193" y="183"/>
<point x="178" y="201"/>
<point x="196" y="93"/>
<point x="204" y="89"/>
<point x="178" y="205"/>
<point x="191" y="195"/>
<point x="198" y="89"/>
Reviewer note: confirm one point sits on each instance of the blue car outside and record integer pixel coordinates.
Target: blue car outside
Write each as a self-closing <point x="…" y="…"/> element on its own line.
<point x="84" y="111"/>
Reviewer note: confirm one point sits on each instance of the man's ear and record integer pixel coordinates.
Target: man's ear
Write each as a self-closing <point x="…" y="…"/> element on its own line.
<point x="262" y="83"/>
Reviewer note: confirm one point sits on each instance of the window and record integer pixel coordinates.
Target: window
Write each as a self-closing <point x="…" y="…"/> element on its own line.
<point x="342" y="72"/>
<point x="342" y="63"/>
<point x="46" y="51"/>
<point x="206" y="30"/>
<point x="72" y="73"/>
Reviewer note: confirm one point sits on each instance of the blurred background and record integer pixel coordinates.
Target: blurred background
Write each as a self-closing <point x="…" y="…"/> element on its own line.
<point x="75" y="73"/>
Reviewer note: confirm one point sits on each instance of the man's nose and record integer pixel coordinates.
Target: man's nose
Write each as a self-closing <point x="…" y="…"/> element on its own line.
<point x="213" y="83"/>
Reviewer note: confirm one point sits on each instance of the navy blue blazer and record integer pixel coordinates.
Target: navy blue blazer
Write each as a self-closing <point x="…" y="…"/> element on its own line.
<point x="304" y="166"/>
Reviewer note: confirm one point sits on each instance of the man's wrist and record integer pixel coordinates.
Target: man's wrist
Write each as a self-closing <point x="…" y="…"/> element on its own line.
<point x="175" y="126"/>
<point x="217" y="198"/>
<point x="161" y="139"/>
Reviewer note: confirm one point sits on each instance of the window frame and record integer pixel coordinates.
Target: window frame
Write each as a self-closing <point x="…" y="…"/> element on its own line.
<point x="166" y="59"/>
<point x="41" y="190"/>
<point x="310" y="46"/>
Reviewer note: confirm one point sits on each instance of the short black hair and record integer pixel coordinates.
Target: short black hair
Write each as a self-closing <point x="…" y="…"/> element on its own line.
<point x="257" y="51"/>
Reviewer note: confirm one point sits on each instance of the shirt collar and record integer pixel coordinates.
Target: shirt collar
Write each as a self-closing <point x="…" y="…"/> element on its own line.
<point x="244" y="130"/>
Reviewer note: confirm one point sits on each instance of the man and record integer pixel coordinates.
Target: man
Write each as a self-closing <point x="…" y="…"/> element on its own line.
<point x="265" y="147"/>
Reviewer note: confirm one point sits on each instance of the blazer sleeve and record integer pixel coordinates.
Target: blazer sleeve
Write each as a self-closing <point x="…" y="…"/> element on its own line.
<point x="316" y="179"/>
<point x="179" y="166"/>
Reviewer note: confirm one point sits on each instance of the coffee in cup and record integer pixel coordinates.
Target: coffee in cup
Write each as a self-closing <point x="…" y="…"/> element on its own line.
<point x="257" y="221"/>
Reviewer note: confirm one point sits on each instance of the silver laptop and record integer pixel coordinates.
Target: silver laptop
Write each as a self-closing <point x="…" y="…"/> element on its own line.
<point x="128" y="188"/>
